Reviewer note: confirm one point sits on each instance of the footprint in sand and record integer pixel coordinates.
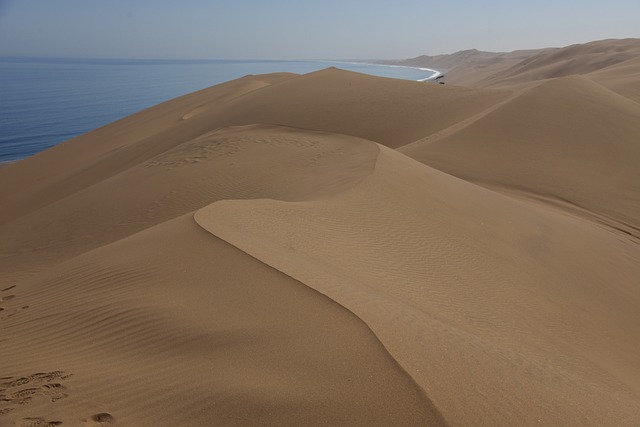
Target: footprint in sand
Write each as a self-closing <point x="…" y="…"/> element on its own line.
<point x="103" y="419"/>
<point x="15" y="391"/>
<point x="20" y="397"/>
<point x="5" y="310"/>
<point x="53" y="391"/>
<point x="38" y="422"/>
<point x="13" y="312"/>
<point x="7" y="298"/>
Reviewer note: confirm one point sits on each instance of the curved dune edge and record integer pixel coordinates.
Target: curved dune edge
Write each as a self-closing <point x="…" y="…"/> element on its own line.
<point x="172" y="326"/>
<point x="449" y="277"/>
<point x="235" y="162"/>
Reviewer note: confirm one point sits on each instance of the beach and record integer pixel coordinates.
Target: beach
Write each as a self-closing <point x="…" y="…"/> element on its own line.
<point x="334" y="248"/>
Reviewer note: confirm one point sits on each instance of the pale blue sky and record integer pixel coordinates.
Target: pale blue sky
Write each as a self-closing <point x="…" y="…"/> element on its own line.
<point x="289" y="29"/>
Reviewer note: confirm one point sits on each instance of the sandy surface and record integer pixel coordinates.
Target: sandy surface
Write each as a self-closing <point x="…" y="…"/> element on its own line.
<point x="336" y="249"/>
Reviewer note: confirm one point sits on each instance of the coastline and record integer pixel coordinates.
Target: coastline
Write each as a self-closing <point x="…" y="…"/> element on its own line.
<point x="9" y="162"/>
<point x="435" y="73"/>
<point x="79" y="111"/>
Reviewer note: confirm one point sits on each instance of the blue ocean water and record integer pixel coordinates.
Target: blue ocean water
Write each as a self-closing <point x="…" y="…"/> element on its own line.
<point x="47" y="101"/>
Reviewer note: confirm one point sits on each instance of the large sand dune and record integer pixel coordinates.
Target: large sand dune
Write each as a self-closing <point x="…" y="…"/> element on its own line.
<point x="575" y="59"/>
<point x="335" y="249"/>
<point x="568" y="139"/>
<point x="522" y="67"/>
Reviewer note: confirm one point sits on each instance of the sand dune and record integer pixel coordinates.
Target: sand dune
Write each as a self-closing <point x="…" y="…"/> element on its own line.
<point x="451" y="282"/>
<point x="470" y="67"/>
<point x="336" y="249"/>
<point x="504" y="69"/>
<point x="575" y="59"/>
<point x="344" y="102"/>
<point x="570" y="140"/>
<point x="173" y="327"/>
<point x="92" y="157"/>
<point x="242" y="162"/>
<point x="392" y="112"/>
<point x="621" y="78"/>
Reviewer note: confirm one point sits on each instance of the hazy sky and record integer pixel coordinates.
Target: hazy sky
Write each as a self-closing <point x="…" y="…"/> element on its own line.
<point x="298" y="29"/>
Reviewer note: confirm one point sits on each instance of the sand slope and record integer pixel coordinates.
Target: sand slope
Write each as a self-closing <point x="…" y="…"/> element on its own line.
<point x="471" y="67"/>
<point x="344" y="102"/>
<point x="504" y="69"/>
<point x="173" y="327"/>
<point x="76" y="164"/>
<point x="574" y="59"/>
<point x="621" y="78"/>
<point x="570" y="140"/>
<point x="137" y="312"/>
<point x="335" y="249"/>
<point x="449" y="276"/>
<point x="233" y="163"/>
<point x="389" y="111"/>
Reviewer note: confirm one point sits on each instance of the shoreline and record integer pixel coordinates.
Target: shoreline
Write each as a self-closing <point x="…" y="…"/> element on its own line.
<point x="435" y="75"/>
<point x="93" y="113"/>
<point x="9" y="162"/>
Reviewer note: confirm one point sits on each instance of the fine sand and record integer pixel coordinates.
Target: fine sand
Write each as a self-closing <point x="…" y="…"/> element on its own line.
<point x="337" y="249"/>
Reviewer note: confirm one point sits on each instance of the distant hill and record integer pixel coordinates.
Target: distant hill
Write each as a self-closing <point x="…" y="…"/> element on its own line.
<point x="477" y="68"/>
<point x="448" y="62"/>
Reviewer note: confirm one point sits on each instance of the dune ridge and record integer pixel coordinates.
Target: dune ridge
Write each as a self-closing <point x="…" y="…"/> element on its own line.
<point x="336" y="249"/>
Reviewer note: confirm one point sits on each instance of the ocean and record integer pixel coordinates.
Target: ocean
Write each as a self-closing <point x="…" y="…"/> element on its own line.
<point x="47" y="101"/>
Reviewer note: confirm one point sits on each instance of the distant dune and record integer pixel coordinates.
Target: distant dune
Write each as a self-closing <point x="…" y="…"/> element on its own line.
<point x="578" y="140"/>
<point x="499" y="69"/>
<point x="337" y="249"/>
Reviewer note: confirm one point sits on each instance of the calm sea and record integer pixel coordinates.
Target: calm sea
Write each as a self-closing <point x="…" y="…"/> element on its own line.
<point x="47" y="101"/>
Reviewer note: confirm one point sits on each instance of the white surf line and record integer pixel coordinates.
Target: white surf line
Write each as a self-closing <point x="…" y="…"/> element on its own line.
<point x="434" y="76"/>
<point x="435" y="73"/>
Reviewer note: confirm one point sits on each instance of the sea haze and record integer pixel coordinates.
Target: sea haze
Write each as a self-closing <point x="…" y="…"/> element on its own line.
<point x="47" y="101"/>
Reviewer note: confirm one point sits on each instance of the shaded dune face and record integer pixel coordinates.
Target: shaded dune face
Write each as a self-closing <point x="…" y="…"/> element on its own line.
<point x="336" y="249"/>
<point x="174" y="327"/>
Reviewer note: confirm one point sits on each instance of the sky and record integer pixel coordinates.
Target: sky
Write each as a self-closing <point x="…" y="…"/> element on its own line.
<point x="298" y="29"/>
